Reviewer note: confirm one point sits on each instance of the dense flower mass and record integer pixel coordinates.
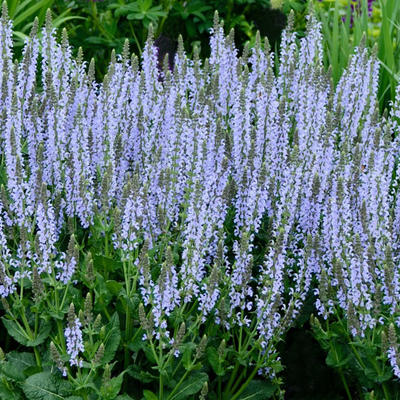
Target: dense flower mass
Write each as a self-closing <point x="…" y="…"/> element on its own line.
<point x="206" y="159"/>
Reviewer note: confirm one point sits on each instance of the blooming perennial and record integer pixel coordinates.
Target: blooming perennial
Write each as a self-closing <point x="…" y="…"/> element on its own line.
<point x="310" y="169"/>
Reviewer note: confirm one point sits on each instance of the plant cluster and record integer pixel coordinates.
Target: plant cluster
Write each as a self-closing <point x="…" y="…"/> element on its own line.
<point x="161" y="231"/>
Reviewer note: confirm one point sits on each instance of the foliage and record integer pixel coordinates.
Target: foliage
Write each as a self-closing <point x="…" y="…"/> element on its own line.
<point x="23" y="14"/>
<point x="344" y="30"/>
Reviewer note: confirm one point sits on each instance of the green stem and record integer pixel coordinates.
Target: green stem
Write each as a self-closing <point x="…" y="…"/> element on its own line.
<point x="127" y="335"/>
<point x="238" y="380"/>
<point x="106" y="244"/>
<point x="127" y="315"/>
<point x="342" y="377"/>
<point x="37" y="356"/>
<point x="36" y="323"/>
<point x="179" y="383"/>
<point x="346" y="387"/>
<point x="61" y="335"/>
<point x="64" y="297"/>
<point x="378" y="370"/>
<point x="232" y="378"/>
<point x="161" y="388"/>
<point x="249" y="379"/>
<point x="139" y="47"/>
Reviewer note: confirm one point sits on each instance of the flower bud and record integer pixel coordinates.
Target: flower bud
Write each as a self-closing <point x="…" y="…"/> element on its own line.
<point x="88" y="309"/>
<point x="99" y="354"/>
<point x="201" y="347"/>
<point x="204" y="391"/>
<point x="97" y="322"/>
<point x="221" y="349"/>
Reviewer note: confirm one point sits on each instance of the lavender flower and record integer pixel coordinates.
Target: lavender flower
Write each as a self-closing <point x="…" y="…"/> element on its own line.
<point x="73" y="337"/>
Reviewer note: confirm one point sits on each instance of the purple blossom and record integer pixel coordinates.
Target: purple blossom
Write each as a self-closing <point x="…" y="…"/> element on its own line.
<point x="73" y="337"/>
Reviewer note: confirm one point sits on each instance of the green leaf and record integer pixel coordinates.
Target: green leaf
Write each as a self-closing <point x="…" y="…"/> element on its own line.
<point x="191" y="386"/>
<point x="21" y="337"/>
<point x="149" y="395"/>
<point x="376" y="377"/>
<point x="137" y="343"/>
<point x="112" y="339"/>
<point x="110" y="389"/>
<point x="215" y="362"/>
<point x="8" y="394"/>
<point x="15" y="365"/>
<point x="187" y="350"/>
<point x="14" y="331"/>
<point x="47" y="386"/>
<point x="258" y="390"/>
<point x="103" y="263"/>
<point x="338" y="356"/>
<point x="114" y="287"/>
<point x="141" y="375"/>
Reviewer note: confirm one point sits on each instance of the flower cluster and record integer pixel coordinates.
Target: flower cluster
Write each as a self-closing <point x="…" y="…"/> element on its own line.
<point x="73" y="337"/>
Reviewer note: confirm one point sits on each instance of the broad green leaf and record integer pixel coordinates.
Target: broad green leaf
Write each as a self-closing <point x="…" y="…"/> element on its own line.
<point x="258" y="390"/>
<point x="187" y="350"/>
<point x="26" y="14"/>
<point x="15" y="365"/>
<point x="100" y="262"/>
<point x="47" y="386"/>
<point x="149" y="395"/>
<point x="138" y="343"/>
<point x="380" y="377"/>
<point x="338" y="356"/>
<point x="190" y="386"/>
<point x="138" y="373"/>
<point x="15" y="331"/>
<point x="214" y="360"/>
<point x="110" y="389"/>
<point x="8" y="394"/>
<point x="114" y="287"/>
<point x="112" y="339"/>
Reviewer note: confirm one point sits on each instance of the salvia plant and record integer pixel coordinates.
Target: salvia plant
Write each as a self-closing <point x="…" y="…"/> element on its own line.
<point x="160" y="231"/>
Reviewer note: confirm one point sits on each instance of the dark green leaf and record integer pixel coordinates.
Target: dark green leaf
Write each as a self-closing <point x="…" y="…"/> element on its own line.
<point x="136" y="372"/>
<point x="149" y="395"/>
<point x="15" y="365"/>
<point x="215" y="362"/>
<point x="380" y="377"/>
<point x="103" y="263"/>
<point x="46" y="386"/>
<point x="112" y="339"/>
<point x="338" y="356"/>
<point x="114" y="287"/>
<point x="190" y="386"/>
<point x="8" y="394"/>
<point x="110" y="389"/>
<point x="258" y="390"/>
<point x="187" y="350"/>
<point x="14" y="331"/>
